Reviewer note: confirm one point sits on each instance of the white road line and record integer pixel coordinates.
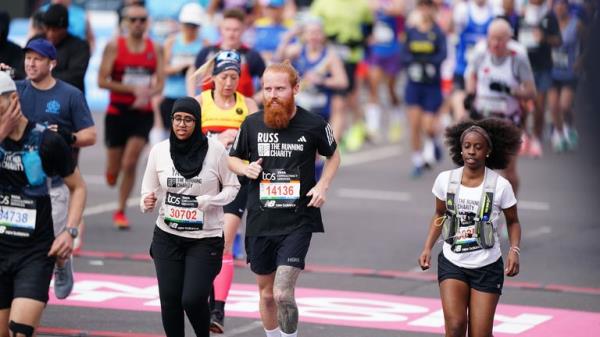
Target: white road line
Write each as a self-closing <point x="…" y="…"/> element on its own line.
<point x="352" y="193"/>
<point x="109" y="207"/>
<point x="94" y="179"/>
<point x="533" y="205"/>
<point x="243" y="329"/>
<point x="538" y="232"/>
<point x="370" y="155"/>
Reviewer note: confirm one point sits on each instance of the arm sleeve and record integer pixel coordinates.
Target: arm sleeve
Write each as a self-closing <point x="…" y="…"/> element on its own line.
<point x="240" y="148"/>
<point x="441" y="185"/>
<point x="150" y="182"/>
<point x="57" y="159"/>
<point x="80" y="107"/>
<point x="326" y="142"/>
<point x="507" y="195"/>
<point x="229" y="180"/>
<point x="441" y="52"/>
<point x="406" y="56"/>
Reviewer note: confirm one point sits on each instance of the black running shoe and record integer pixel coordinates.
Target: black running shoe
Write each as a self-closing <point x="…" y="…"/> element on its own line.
<point x="217" y="324"/>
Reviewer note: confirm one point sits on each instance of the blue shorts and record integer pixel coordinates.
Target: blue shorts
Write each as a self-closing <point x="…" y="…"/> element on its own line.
<point x="426" y="96"/>
<point x="543" y="80"/>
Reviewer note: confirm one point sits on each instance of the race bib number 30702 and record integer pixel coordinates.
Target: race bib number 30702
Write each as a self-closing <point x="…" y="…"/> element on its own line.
<point x="279" y="188"/>
<point x="182" y="213"/>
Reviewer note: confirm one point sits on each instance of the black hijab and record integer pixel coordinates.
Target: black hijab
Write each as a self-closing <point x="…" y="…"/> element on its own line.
<point x="188" y="154"/>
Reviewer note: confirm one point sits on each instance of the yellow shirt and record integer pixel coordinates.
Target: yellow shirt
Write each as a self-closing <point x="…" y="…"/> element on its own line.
<point x="215" y="119"/>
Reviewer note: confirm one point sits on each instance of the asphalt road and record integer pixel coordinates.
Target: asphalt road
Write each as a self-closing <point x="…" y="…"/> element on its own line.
<point x="362" y="278"/>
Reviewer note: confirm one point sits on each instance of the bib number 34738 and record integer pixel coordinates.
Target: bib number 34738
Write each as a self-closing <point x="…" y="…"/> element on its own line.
<point x="17" y="215"/>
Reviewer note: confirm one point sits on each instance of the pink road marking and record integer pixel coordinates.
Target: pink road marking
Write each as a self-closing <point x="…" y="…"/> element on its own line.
<point x="425" y="276"/>
<point x="341" y="308"/>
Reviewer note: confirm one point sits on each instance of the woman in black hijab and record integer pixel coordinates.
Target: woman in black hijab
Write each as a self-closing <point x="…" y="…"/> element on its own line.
<point x="189" y="174"/>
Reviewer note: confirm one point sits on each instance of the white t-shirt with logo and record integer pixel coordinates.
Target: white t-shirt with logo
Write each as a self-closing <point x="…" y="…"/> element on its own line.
<point x="467" y="201"/>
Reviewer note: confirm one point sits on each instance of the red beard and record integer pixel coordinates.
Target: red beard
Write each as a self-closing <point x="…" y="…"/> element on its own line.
<point x="278" y="112"/>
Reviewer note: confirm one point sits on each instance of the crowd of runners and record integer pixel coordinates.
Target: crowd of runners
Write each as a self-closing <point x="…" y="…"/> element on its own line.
<point x="247" y="106"/>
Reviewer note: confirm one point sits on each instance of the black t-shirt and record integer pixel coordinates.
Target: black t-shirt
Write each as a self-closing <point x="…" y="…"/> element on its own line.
<point x="56" y="159"/>
<point x="277" y="199"/>
<point x="541" y="56"/>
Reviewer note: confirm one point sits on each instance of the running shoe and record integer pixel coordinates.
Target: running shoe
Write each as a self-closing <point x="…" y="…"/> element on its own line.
<point x="535" y="148"/>
<point x="572" y="138"/>
<point x="395" y="132"/>
<point x="120" y="220"/>
<point x="217" y="321"/>
<point x="63" y="279"/>
<point x="355" y="137"/>
<point x="558" y="142"/>
<point x="418" y="171"/>
<point x="437" y="151"/>
<point x="111" y="179"/>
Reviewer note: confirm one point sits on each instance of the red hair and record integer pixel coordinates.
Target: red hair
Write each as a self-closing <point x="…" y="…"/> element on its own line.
<point x="286" y="68"/>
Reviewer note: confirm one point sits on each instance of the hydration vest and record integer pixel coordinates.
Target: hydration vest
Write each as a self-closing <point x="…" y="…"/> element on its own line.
<point x="484" y="230"/>
<point x="37" y="180"/>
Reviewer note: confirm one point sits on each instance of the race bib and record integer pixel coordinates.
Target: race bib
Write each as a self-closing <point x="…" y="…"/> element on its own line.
<point x="183" y="59"/>
<point x="527" y="38"/>
<point x="279" y="189"/>
<point x="343" y="51"/>
<point x="17" y="215"/>
<point x="139" y="77"/>
<point x="311" y="99"/>
<point x="415" y="72"/>
<point x="465" y="239"/>
<point x="182" y="213"/>
<point x="382" y="33"/>
<point x="492" y="105"/>
<point x="560" y="59"/>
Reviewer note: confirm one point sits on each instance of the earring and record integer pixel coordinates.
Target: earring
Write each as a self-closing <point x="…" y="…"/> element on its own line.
<point x="461" y="152"/>
<point x="487" y="155"/>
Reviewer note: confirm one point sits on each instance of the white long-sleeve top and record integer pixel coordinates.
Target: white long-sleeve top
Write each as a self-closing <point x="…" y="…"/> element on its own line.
<point x="178" y="213"/>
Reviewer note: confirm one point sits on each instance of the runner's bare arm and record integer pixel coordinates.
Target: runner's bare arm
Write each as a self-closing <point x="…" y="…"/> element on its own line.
<point x="106" y="67"/>
<point x="159" y="75"/>
<point x="435" y="229"/>
<point x="85" y="137"/>
<point x="514" y="237"/>
<point x="319" y="191"/>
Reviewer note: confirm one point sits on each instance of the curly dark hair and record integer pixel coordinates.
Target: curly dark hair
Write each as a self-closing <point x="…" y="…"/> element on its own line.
<point x="505" y="137"/>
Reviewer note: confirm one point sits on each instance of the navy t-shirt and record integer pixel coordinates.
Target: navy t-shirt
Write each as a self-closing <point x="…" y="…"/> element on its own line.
<point x="277" y="200"/>
<point x="63" y="104"/>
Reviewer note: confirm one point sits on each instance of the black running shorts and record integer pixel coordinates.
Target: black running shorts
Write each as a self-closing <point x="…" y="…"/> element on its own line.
<point x="488" y="279"/>
<point x="25" y="273"/>
<point x="266" y="253"/>
<point x="129" y="123"/>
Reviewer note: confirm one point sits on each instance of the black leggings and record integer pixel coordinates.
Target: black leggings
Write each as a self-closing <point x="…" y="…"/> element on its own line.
<point x="186" y="269"/>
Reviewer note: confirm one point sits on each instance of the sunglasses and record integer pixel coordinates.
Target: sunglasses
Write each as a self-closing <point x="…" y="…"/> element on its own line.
<point x="141" y="19"/>
<point x="228" y="55"/>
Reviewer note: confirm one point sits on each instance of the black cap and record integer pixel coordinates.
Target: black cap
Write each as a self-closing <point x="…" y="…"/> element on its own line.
<point x="56" y="15"/>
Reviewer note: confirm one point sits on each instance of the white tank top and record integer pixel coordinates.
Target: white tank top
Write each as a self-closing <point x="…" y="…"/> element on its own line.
<point x="490" y="102"/>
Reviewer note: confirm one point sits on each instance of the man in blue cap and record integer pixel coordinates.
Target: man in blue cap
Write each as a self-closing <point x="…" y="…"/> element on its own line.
<point x="47" y="100"/>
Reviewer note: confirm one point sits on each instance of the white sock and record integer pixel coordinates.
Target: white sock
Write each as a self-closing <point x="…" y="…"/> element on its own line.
<point x="293" y="334"/>
<point x="273" y="333"/>
<point x="417" y="159"/>
<point x="372" y="116"/>
<point x="428" y="151"/>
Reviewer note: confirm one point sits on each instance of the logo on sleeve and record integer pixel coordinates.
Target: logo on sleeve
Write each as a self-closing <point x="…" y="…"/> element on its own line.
<point x="53" y="107"/>
<point x="329" y="132"/>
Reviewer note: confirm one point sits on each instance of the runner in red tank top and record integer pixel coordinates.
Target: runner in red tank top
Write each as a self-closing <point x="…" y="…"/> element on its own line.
<point x="132" y="69"/>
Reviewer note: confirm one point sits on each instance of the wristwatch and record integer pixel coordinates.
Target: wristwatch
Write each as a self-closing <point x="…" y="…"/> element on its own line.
<point x="73" y="231"/>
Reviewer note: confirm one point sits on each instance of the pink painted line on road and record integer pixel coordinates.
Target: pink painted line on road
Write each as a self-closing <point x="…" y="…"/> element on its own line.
<point x="339" y="308"/>
<point x="96" y="333"/>
<point x="424" y="276"/>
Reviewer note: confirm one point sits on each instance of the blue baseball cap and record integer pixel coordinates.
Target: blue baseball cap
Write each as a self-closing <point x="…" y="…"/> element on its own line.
<point x="42" y="47"/>
<point x="275" y="3"/>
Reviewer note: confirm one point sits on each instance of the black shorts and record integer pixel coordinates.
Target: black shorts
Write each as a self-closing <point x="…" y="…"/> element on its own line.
<point x="25" y="274"/>
<point x="488" y="279"/>
<point x="458" y="82"/>
<point x="558" y="84"/>
<point x="129" y="123"/>
<point x="266" y="253"/>
<point x="350" y="69"/>
<point x="238" y="205"/>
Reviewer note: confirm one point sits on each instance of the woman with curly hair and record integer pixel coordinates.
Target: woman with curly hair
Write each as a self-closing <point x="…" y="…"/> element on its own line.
<point x="468" y="204"/>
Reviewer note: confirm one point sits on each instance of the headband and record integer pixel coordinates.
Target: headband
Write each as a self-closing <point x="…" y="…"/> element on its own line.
<point x="479" y="130"/>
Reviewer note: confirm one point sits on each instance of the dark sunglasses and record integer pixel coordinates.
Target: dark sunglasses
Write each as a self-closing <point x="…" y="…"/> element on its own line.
<point x="141" y="19"/>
